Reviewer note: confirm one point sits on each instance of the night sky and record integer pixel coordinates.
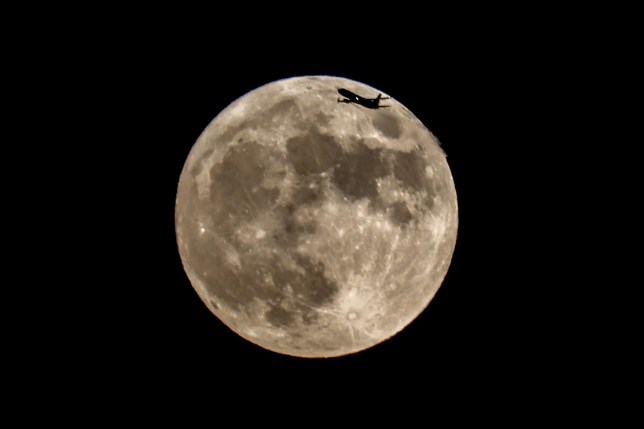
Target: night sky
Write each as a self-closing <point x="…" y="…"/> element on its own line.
<point x="495" y="319"/>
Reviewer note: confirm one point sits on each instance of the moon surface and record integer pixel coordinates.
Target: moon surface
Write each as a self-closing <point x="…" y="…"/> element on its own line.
<point x="315" y="228"/>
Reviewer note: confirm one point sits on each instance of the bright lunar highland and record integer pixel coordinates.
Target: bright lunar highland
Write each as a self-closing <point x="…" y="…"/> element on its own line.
<point x="311" y="227"/>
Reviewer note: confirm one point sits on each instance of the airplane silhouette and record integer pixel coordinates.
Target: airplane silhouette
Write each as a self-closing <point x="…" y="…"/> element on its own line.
<point x="370" y="103"/>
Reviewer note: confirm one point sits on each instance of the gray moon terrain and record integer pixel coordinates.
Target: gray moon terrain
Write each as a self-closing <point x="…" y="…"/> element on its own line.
<point x="315" y="228"/>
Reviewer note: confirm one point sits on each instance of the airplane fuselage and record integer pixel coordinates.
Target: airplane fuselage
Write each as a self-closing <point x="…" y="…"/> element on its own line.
<point x="350" y="97"/>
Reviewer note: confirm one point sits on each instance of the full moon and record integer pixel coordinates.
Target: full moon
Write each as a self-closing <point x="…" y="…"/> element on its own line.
<point x="312" y="227"/>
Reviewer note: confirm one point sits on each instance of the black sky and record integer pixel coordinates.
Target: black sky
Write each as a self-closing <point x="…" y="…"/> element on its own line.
<point x="494" y="322"/>
<point x="533" y="317"/>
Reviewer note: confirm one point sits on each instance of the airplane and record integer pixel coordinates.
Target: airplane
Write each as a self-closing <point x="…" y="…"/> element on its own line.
<point x="370" y="103"/>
